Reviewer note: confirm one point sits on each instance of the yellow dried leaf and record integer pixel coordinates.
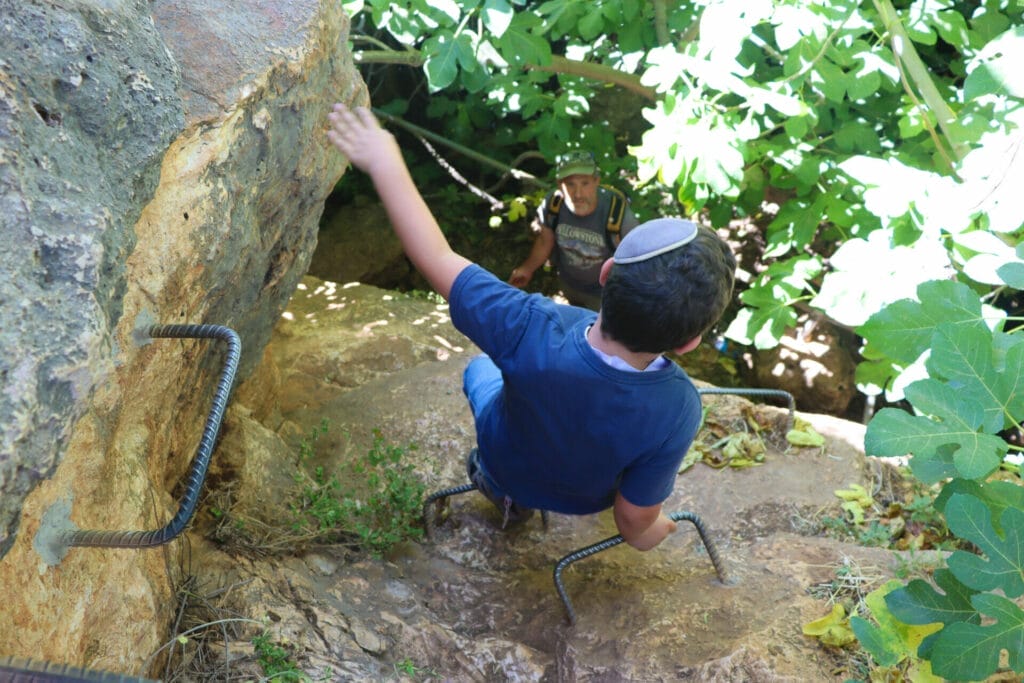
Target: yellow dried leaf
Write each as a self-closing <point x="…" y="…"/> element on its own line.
<point x="692" y="457"/>
<point x="818" y="626"/>
<point x="743" y="446"/>
<point x="857" y="494"/>
<point x="803" y="434"/>
<point x="741" y="463"/>
<point x="856" y="501"/>
<point x="832" y="629"/>
<point x="855" y="510"/>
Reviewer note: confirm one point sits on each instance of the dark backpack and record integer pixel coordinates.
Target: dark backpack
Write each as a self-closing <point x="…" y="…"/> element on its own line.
<point x="616" y="212"/>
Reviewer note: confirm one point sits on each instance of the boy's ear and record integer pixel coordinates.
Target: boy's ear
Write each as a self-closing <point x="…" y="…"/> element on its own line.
<point x="606" y="269"/>
<point x="688" y="346"/>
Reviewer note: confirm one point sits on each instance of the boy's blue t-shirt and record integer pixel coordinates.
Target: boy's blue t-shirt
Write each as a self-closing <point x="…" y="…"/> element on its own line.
<point x="568" y="431"/>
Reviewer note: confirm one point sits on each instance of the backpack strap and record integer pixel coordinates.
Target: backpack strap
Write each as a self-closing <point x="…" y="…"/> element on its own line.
<point x="616" y="212"/>
<point x="554" y="206"/>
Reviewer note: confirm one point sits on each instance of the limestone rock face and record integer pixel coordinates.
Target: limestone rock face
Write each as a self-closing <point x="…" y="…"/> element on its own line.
<point x="160" y="162"/>
<point x="85" y="118"/>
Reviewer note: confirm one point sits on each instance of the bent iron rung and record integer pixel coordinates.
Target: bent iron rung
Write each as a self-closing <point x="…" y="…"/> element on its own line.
<point x="443" y="494"/>
<point x="587" y="551"/>
<point x="615" y="540"/>
<point x="439" y="498"/>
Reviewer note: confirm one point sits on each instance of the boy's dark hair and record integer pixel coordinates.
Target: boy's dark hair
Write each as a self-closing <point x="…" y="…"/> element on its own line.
<point x="663" y="302"/>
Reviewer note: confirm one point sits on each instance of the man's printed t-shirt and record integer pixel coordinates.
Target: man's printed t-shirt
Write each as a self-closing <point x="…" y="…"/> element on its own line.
<point x="568" y="431"/>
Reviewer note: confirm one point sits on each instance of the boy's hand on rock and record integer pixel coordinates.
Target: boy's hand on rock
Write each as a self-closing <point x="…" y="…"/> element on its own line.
<point x="360" y="138"/>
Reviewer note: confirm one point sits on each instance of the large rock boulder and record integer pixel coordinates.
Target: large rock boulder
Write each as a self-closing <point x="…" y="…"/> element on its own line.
<point x="356" y="244"/>
<point x="813" y="363"/>
<point x="160" y="162"/>
<point x="88" y="107"/>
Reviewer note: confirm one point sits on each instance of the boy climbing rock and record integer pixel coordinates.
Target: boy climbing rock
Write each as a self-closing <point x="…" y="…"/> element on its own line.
<point x="575" y="411"/>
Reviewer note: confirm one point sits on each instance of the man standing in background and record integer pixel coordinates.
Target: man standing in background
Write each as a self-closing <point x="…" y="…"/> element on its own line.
<point x="578" y="227"/>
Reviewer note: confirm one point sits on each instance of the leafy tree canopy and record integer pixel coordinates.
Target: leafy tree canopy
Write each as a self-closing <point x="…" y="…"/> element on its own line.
<point x="876" y="144"/>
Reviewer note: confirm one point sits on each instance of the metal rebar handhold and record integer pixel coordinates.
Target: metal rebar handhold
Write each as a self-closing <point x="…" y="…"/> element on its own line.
<point x="616" y="540"/>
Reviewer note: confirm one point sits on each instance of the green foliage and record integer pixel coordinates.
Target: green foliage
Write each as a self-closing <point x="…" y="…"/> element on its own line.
<point x="964" y="649"/>
<point x="867" y="533"/>
<point x="970" y="393"/>
<point x="892" y="644"/>
<point x="905" y="519"/>
<point x="276" y="661"/>
<point x="875" y="147"/>
<point x="509" y="92"/>
<point x="390" y="511"/>
<point x="1001" y="564"/>
<point x="375" y="501"/>
<point x="407" y="667"/>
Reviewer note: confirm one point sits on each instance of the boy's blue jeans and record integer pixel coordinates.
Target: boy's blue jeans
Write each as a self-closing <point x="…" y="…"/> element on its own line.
<point x="481" y="382"/>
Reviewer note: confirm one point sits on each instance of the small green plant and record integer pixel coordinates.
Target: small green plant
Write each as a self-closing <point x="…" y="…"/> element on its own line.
<point x="376" y="500"/>
<point x="916" y="565"/>
<point x="874" y="535"/>
<point x="321" y="500"/>
<point x="837" y="527"/>
<point x="871" y="533"/>
<point x="908" y="520"/>
<point x="276" y="660"/>
<point x="390" y="511"/>
<point x="307" y="446"/>
<point x="407" y="667"/>
<point x="373" y="502"/>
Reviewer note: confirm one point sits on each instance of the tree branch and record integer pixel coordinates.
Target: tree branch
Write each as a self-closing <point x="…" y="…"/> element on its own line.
<point x="408" y="57"/>
<point x="461" y="149"/>
<point x="661" y="21"/>
<point x="559" y="65"/>
<point x="907" y="56"/>
<point x="596" y="72"/>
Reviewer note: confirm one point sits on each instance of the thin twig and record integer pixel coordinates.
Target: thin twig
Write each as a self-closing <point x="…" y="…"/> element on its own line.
<point x="472" y="154"/>
<point x="172" y="641"/>
<point x="825" y="45"/>
<point x="496" y="204"/>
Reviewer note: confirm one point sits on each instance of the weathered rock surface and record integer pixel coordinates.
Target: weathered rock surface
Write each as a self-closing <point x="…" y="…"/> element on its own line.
<point x="87" y="110"/>
<point x="358" y="245"/>
<point x="474" y="603"/>
<point x="813" y="363"/>
<point x="160" y="162"/>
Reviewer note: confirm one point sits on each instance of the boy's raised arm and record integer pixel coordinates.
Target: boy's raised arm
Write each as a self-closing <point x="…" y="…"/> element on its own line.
<point x="374" y="150"/>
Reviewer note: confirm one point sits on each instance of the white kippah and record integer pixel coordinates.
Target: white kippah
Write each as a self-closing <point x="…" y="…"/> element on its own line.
<point x="654" y="237"/>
